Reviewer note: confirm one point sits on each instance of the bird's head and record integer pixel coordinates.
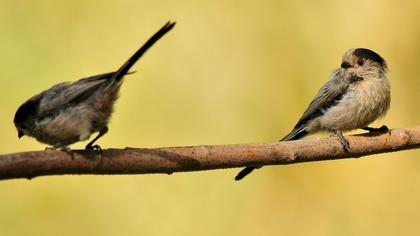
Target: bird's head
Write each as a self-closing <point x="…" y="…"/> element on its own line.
<point x="25" y="116"/>
<point x="363" y="63"/>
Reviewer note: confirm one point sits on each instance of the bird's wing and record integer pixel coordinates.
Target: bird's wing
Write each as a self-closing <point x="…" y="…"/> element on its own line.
<point x="66" y="94"/>
<point x="329" y="95"/>
<point x="98" y="77"/>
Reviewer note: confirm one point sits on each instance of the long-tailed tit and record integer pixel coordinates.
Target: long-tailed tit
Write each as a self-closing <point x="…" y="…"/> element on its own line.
<point x="357" y="94"/>
<point x="71" y="112"/>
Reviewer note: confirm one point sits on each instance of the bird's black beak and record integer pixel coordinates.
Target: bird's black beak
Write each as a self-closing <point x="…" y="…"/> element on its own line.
<point x="345" y="65"/>
<point x="20" y="133"/>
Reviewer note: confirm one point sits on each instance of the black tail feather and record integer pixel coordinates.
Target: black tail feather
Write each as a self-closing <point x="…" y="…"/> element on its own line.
<point x="296" y="133"/>
<point x="133" y="59"/>
<point x="244" y="172"/>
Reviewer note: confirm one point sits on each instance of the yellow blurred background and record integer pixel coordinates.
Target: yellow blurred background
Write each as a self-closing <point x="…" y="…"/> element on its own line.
<point x="229" y="72"/>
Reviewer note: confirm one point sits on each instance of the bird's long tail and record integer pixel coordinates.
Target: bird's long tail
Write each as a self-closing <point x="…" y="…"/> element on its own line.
<point x="119" y="74"/>
<point x="296" y="133"/>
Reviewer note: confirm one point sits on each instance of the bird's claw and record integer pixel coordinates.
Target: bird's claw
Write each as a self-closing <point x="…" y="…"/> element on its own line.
<point x="382" y="129"/>
<point x="94" y="148"/>
<point x="344" y="142"/>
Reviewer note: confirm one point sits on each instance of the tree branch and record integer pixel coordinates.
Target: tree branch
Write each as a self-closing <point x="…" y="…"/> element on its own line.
<point x="205" y="157"/>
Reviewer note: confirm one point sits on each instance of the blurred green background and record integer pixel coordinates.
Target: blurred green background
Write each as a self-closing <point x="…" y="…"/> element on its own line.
<point x="230" y="72"/>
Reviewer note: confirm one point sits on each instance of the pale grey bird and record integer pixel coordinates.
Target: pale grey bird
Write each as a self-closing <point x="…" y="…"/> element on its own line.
<point x="357" y="94"/>
<point x="71" y="112"/>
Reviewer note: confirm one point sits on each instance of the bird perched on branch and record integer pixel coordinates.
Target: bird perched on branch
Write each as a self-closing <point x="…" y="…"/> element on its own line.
<point x="357" y="94"/>
<point x="71" y="112"/>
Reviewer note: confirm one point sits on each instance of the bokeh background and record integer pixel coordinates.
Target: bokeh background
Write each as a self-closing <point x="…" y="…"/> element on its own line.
<point x="230" y="72"/>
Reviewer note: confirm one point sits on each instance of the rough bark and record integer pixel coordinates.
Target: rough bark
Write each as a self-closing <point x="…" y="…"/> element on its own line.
<point x="204" y="157"/>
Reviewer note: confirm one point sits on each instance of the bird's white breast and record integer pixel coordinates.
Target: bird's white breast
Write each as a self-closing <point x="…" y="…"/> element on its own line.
<point x="71" y="125"/>
<point x="363" y="103"/>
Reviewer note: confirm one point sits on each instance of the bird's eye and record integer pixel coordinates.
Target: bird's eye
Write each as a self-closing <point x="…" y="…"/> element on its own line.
<point x="360" y="62"/>
<point x="345" y="65"/>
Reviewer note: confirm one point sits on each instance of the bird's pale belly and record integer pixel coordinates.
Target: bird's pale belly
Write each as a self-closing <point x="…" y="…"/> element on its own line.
<point x="64" y="129"/>
<point x="357" y="109"/>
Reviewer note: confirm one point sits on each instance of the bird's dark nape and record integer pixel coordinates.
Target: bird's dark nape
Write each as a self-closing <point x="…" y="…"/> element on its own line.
<point x="133" y="59"/>
<point x="370" y="55"/>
